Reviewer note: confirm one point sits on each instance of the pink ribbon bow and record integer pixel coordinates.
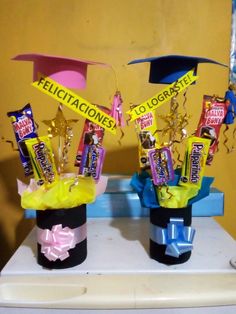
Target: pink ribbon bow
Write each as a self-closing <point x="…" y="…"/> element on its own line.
<point x="55" y="243"/>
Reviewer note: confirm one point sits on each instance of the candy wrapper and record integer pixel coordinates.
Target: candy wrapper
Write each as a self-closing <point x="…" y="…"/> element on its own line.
<point x="146" y="129"/>
<point x="92" y="161"/>
<point x="161" y="165"/>
<point x="92" y="135"/>
<point x="213" y="114"/>
<point x="41" y="156"/>
<point x="194" y="161"/>
<point x="24" y="127"/>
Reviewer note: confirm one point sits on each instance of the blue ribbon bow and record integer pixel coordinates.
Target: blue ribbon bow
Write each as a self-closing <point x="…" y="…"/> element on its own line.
<point x="177" y="237"/>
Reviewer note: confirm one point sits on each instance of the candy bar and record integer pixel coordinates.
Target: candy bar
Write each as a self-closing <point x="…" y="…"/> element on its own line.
<point x="161" y="165"/>
<point x="213" y="113"/>
<point x="146" y="129"/>
<point x="41" y="156"/>
<point x="92" y="135"/>
<point x="24" y="128"/>
<point x="92" y="161"/>
<point x="194" y="161"/>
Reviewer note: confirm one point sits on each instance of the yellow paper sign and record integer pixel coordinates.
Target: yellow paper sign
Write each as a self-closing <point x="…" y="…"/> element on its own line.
<point x="163" y="96"/>
<point x="75" y="102"/>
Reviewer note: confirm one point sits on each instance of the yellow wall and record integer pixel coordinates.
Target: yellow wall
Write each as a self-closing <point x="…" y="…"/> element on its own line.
<point x="113" y="32"/>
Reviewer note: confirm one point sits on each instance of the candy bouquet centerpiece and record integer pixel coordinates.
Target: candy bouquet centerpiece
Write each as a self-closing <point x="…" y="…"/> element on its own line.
<point x="167" y="183"/>
<point x="60" y="198"/>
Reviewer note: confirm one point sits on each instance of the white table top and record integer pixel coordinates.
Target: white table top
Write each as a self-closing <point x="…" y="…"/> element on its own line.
<point x="121" y="245"/>
<point x="118" y="273"/>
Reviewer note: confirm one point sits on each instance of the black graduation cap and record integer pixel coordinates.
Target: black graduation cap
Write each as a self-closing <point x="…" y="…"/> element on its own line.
<point x="168" y="69"/>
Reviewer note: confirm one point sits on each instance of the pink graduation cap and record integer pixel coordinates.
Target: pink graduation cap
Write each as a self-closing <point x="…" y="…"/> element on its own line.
<point x="68" y="72"/>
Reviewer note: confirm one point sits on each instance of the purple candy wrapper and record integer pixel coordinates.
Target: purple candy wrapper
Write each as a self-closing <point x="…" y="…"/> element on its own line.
<point x="24" y="128"/>
<point x="161" y="165"/>
<point x="92" y="161"/>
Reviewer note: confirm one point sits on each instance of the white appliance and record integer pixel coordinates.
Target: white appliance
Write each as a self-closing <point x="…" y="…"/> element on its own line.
<point x="119" y="277"/>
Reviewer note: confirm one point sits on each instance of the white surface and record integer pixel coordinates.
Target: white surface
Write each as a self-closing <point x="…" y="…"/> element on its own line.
<point x="203" y="310"/>
<point x="118" y="274"/>
<point x="121" y="245"/>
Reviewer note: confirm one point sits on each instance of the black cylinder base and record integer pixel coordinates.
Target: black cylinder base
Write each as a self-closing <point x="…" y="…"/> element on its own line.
<point x="72" y="218"/>
<point x="161" y="217"/>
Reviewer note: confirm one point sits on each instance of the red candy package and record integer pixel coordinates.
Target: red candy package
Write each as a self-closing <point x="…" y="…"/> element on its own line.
<point x="213" y="113"/>
<point x="92" y="135"/>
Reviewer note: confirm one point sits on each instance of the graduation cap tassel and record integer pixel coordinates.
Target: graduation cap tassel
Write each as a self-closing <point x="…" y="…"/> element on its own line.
<point x="117" y="114"/>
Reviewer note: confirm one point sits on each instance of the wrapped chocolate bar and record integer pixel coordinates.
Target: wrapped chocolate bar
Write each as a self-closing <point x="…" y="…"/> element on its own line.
<point x="213" y="114"/>
<point x="92" y="135"/>
<point x="161" y="165"/>
<point x="92" y="161"/>
<point x="24" y="128"/>
<point x="146" y="129"/>
<point x="41" y="156"/>
<point x="194" y="161"/>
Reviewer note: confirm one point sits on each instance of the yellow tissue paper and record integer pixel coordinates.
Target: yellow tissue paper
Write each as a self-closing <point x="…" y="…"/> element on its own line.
<point x="176" y="196"/>
<point x="61" y="194"/>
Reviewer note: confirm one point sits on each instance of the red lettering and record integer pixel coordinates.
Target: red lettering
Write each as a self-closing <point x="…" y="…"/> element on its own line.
<point x="23" y="127"/>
